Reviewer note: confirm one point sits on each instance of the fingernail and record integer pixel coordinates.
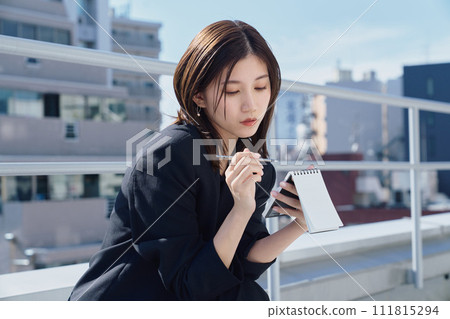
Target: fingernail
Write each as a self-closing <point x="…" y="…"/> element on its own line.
<point x="274" y="193"/>
<point x="283" y="184"/>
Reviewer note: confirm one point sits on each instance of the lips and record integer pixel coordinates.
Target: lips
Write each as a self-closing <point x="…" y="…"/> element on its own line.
<point x="249" y="121"/>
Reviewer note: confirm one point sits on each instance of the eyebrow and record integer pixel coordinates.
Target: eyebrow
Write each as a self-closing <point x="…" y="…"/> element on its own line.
<point x="258" y="78"/>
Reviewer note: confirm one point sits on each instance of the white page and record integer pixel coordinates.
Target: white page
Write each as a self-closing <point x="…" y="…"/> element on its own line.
<point x="319" y="211"/>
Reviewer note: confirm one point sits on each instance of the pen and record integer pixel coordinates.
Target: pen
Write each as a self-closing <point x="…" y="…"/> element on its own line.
<point x="259" y="159"/>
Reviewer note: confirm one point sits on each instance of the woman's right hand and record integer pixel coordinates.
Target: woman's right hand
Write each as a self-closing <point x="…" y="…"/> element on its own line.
<point x="241" y="176"/>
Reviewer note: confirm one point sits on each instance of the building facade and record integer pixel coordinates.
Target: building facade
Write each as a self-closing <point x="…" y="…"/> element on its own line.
<point x="430" y="81"/>
<point x="58" y="111"/>
<point x="376" y="131"/>
<point x="298" y="118"/>
<point x="141" y="39"/>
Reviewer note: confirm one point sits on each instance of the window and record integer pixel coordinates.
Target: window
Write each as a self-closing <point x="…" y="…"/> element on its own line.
<point x="5" y="97"/>
<point x="87" y="44"/>
<point x="72" y="107"/>
<point x="9" y="28"/>
<point x="431" y="148"/>
<point x="3" y="107"/>
<point x="89" y="7"/>
<point x="28" y="31"/>
<point x="26" y="103"/>
<point x="46" y="34"/>
<point x="24" y="188"/>
<point x="62" y="37"/>
<point x="34" y="32"/>
<point x="430" y="87"/>
<point x="62" y="187"/>
<point x="430" y="119"/>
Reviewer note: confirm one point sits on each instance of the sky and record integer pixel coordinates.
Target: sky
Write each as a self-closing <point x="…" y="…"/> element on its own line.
<point x="310" y="38"/>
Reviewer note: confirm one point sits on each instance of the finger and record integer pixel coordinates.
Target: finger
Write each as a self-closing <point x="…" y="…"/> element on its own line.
<point x="249" y="172"/>
<point x="289" y="187"/>
<point x="284" y="211"/>
<point x="246" y="160"/>
<point x="235" y="171"/>
<point x="295" y="203"/>
<point x="253" y="154"/>
<point x="252" y="170"/>
<point x="237" y="157"/>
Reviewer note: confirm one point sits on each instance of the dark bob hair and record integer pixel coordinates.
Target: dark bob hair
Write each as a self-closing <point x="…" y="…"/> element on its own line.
<point x="214" y="50"/>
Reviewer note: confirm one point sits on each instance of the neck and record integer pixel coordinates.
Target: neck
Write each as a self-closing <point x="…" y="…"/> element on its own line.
<point x="231" y="144"/>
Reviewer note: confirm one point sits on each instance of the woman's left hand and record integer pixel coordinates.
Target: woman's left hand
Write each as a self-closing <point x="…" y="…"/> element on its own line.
<point x="296" y="210"/>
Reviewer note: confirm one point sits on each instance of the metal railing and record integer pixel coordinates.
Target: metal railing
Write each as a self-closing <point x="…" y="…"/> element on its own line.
<point x="56" y="52"/>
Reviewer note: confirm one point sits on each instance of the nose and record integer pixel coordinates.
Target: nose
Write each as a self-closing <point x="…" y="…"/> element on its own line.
<point x="248" y="103"/>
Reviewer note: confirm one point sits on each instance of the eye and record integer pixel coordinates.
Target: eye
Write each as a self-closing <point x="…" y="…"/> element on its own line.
<point x="261" y="88"/>
<point x="231" y="92"/>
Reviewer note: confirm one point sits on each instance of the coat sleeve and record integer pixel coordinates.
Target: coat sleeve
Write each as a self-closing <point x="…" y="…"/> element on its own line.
<point x="256" y="228"/>
<point x="165" y="229"/>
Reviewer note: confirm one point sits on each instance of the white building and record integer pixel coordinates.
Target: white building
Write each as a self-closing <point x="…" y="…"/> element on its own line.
<point x="299" y="117"/>
<point x="366" y="128"/>
<point x="60" y="111"/>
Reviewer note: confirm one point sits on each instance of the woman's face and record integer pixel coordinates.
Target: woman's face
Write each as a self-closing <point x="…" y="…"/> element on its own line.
<point x="247" y="98"/>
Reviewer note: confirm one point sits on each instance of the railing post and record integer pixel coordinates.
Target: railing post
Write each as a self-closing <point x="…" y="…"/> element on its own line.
<point x="416" y="196"/>
<point x="273" y="273"/>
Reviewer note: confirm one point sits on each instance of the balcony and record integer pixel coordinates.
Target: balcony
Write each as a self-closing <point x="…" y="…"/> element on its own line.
<point x="403" y="259"/>
<point x="137" y="43"/>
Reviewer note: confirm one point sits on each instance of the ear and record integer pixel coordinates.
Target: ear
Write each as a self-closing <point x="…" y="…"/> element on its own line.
<point x="199" y="99"/>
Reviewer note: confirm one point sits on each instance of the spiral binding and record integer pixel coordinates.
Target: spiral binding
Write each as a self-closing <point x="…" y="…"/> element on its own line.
<point x="306" y="172"/>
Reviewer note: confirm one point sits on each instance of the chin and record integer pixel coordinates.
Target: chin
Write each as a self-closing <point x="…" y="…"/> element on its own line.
<point x="248" y="134"/>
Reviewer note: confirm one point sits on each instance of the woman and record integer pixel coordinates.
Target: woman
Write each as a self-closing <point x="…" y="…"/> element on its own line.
<point x="186" y="225"/>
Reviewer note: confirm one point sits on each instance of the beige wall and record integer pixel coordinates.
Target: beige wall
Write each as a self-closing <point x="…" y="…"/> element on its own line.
<point x="53" y="70"/>
<point x="29" y="136"/>
<point x="57" y="223"/>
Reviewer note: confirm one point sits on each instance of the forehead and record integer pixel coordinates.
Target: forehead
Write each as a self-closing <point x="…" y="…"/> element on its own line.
<point x="248" y="69"/>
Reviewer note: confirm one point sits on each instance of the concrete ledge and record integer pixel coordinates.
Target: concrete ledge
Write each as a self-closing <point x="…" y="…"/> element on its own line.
<point x="377" y="257"/>
<point x="44" y="284"/>
<point x="357" y="238"/>
<point x="384" y="282"/>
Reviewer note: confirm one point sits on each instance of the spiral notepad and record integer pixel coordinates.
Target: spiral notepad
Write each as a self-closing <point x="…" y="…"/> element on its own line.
<point x="320" y="213"/>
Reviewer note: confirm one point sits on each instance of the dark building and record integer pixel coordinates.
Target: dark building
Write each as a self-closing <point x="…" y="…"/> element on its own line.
<point x="431" y="81"/>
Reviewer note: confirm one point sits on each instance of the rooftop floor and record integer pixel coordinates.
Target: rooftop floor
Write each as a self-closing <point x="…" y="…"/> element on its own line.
<point x="377" y="257"/>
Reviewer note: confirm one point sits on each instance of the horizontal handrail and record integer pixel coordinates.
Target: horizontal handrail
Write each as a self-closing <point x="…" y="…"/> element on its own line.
<point x="365" y="96"/>
<point x="119" y="61"/>
<point x="75" y="168"/>
<point x="72" y="54"/>
<point x="60" y="168"/>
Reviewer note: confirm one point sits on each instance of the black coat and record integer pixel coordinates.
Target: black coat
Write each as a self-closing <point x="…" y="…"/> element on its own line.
<point x="159" y="243"/>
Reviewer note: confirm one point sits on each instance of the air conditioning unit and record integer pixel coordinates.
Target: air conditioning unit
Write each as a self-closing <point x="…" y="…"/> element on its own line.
<point x="71" y="131"/>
